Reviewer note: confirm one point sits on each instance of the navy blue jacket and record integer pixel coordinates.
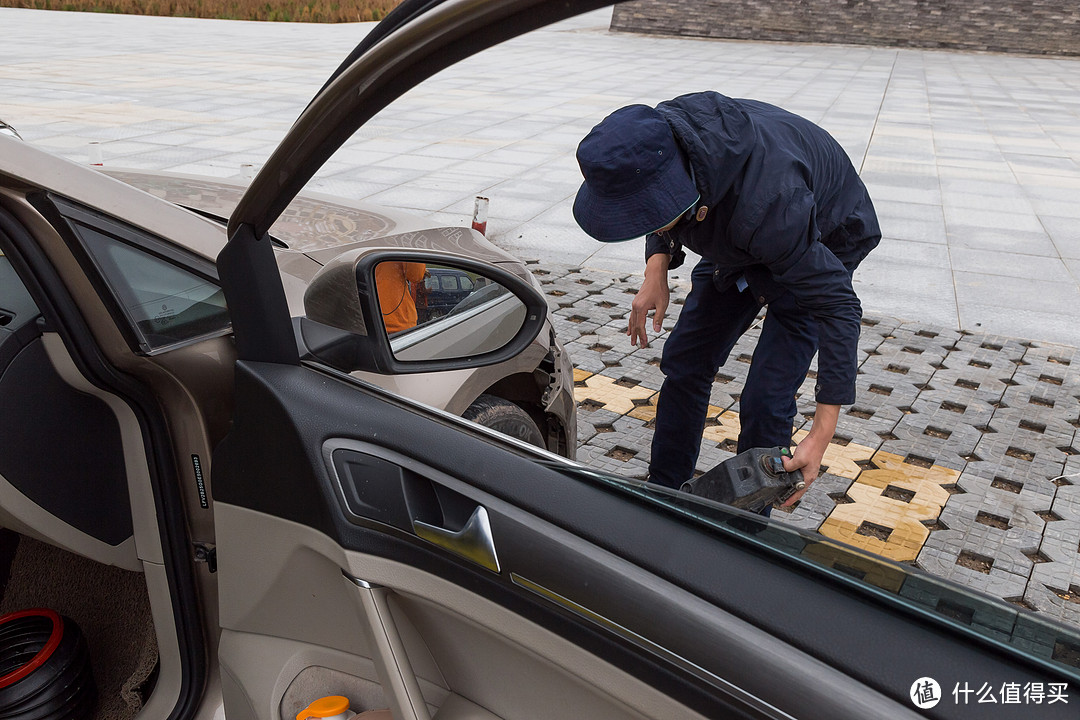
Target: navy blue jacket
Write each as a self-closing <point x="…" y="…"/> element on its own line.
<point x="786" y="210"/>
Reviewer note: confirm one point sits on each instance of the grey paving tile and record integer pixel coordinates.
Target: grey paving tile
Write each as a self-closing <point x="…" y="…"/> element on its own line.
<point x="980" y="218"/>
<point x="1054" y="583"/>
<point x="939" y="308"/>
<point x="811" y="510"/>
<point x="882" y="282"/>
<point x="1065" y="233"/>
<point x="1056" y="325"/>
<point x="976" y="288"/>
<point x="1067" y="504"/>
<point x="1044" y="164"/>
<point x="887" y="190"/>
<point x="1010" y="264"/>
<point x="549" y="242"/>
<point x="946" y="551"/>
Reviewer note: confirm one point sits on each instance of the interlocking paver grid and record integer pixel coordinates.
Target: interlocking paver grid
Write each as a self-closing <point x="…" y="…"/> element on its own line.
<point x="951" y="457"/>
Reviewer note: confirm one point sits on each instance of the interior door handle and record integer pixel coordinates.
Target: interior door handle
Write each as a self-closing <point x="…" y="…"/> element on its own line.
<point x="472" y="542"/>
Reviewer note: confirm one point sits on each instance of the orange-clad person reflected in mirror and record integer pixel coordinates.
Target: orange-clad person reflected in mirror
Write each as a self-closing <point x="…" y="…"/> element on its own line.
<point x="398" y="283"/>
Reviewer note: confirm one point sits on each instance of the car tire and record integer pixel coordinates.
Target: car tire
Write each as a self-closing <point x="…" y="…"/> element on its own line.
<point x="505" y="417"/>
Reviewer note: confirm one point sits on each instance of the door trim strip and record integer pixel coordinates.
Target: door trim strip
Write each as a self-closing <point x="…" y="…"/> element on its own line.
<point x="754" y="704"/>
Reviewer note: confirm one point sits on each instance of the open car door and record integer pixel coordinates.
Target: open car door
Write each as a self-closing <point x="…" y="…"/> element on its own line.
<point x="372" y="548"/>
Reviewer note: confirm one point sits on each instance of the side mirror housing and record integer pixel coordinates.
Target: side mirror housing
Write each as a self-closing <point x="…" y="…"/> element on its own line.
<point x="395" y="311"/>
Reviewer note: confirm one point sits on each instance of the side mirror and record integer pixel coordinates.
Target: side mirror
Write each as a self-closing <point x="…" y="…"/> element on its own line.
<point x="411" y="311"/>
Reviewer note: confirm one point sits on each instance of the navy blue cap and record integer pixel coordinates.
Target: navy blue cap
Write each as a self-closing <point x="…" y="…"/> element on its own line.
<point x="635" y="178"/>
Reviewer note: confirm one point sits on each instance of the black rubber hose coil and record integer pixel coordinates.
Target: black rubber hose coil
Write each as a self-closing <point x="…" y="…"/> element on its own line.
<point x="44" y="668"/>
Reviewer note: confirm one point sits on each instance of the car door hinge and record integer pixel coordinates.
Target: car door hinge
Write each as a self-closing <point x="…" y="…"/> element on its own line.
<point x="207" y="554"/>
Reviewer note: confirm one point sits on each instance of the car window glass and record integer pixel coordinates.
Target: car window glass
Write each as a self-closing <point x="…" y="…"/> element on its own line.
<point x="449" y="282"/>
<point x="163" y="296"/>
<point x="166" y="304"/>
<point x="1039" y="637"/>
<point x="890" y="582"/>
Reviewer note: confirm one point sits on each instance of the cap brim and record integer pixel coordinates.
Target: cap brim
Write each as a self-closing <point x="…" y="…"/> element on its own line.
<point x="616" y="219"/>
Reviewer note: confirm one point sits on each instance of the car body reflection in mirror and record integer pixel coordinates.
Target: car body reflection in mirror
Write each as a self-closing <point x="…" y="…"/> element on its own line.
<point x="445" y="287"/>
<point x="440" y="312"/>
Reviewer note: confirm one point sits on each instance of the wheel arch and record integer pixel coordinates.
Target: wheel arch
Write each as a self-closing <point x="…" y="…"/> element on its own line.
<point x="526" y="390"/>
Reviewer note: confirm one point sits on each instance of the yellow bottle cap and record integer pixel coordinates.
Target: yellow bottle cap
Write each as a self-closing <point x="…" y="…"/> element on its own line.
<point x="325" y="707"/>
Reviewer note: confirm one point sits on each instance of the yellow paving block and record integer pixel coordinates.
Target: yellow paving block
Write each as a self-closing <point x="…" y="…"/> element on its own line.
<point x="728" y="428"/>
<point x="616" y="398"/>
<point x="873" y="570"/>
<point x="905" y="520"/>
<point x="902" y="545"/>
<point x="892" y="470"/>
<point x="645" y="412"/>
<point x="581" y="375"/>
<point x="648" y="412"/>
<point x="841" y="460"/>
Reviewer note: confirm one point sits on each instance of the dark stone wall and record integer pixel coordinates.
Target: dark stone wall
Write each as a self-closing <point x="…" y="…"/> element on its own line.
<point x="1050" y="27"/>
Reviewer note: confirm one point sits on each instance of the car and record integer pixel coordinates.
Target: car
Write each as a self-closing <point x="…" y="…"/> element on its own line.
<point x="529" y="396"/>
<point x="443" y="289"/>
<point x="297" y="532"/>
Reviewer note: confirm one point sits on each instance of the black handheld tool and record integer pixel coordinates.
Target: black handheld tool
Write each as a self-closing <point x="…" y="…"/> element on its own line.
<point x="752" y="480"/>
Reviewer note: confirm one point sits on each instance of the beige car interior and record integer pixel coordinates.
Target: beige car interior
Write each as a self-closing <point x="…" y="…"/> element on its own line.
<point x="118" y="595"/>
<point x="311" y="619"/>
<point x="301" y="619"/>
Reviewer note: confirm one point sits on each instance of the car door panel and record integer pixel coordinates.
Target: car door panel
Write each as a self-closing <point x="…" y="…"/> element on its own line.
<point x="457" y="643"/>
<point x="63" y="472"/>
<point x="72" y="339"/>
<point x="266" y="676"/>
<point x="70" y="460"/>
<point x="707" y="622"/>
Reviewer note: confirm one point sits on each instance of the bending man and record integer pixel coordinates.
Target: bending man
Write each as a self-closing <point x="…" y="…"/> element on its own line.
<point x="780" y="218"/>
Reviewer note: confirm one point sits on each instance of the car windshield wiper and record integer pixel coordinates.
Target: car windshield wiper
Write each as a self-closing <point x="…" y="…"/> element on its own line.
<point x="6" y="129"/>
<point x="225" y="221"/>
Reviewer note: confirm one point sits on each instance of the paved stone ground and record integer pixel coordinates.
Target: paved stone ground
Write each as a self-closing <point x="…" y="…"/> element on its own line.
<point x="959" y="454"/>
<point x="972" y="159"/>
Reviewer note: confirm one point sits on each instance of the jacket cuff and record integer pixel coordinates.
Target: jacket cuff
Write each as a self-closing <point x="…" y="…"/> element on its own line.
<point x="827" y="395"/>
<point x="657" y="244"/>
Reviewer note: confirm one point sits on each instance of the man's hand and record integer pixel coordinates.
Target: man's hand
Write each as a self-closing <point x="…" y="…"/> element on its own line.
<point x="653" y="295"/>
<point x="809" y="453"/>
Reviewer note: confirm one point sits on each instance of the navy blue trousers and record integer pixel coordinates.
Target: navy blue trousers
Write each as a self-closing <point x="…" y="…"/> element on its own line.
<point x="709" y="325"/>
